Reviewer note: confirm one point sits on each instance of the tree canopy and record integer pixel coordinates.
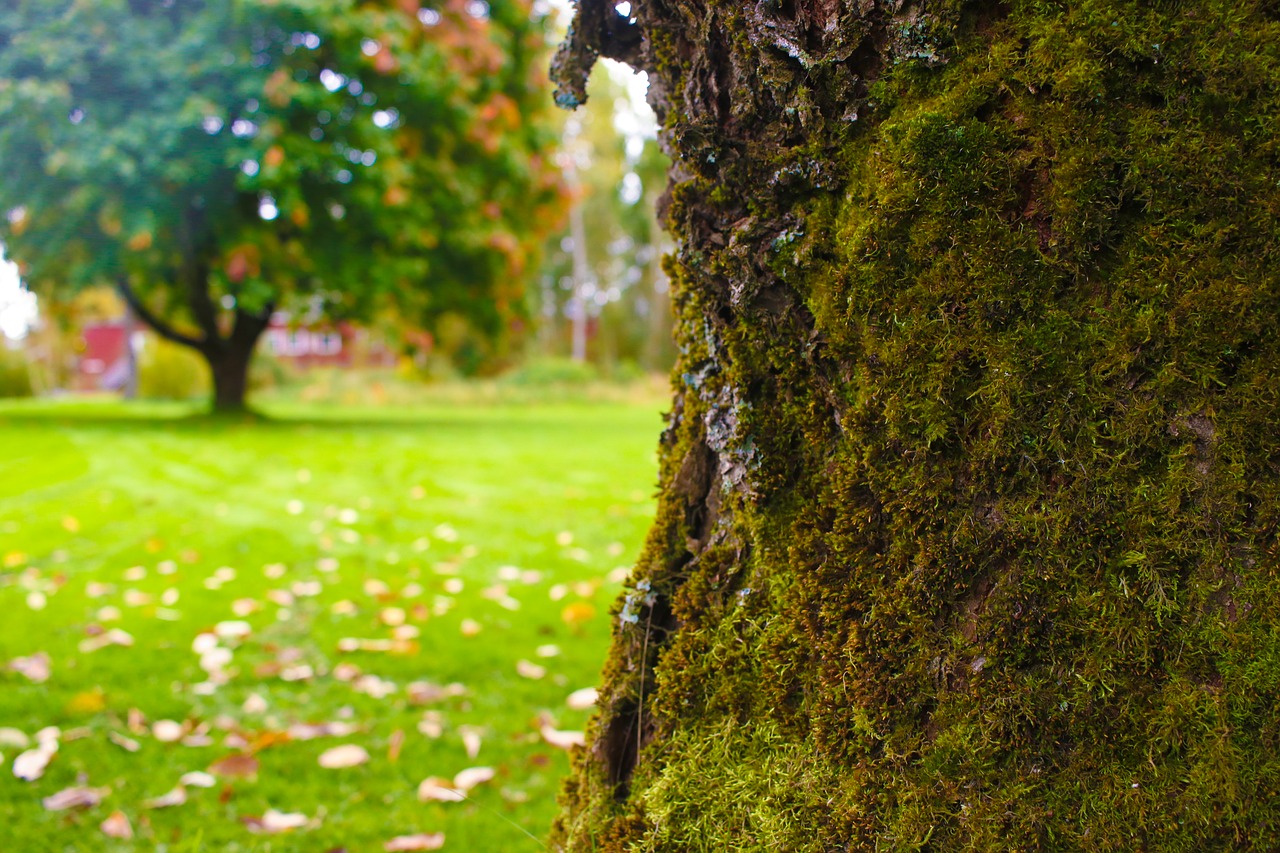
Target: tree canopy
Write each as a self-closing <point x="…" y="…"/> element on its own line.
<point x="216" y="158"/>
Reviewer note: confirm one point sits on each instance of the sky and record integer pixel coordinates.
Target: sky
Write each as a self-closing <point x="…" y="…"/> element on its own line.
<point x="17" y="306"/>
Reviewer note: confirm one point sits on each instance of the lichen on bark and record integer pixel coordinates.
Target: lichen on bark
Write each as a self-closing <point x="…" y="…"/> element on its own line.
<point x="967" y="530"/>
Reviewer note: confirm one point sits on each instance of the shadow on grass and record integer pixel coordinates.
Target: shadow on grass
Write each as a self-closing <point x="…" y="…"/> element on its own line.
<point x="115" y="415"/>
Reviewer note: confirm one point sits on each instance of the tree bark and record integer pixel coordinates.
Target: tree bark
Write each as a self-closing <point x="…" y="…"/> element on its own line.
<point x="966" y="537"/>
<point x="229" y="360"/>
<point x="228" y="356"/>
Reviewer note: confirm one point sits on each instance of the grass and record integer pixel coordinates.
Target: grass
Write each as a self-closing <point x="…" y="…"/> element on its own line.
<point x="124" y="517"/>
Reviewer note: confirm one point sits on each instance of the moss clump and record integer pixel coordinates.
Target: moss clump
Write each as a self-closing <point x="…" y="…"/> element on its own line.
<point x="971" y="488"/>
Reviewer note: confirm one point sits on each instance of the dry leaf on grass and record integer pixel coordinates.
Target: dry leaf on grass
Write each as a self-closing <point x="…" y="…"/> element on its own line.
<point x="467" y="779"/>
<point x="13" y="738"/>
<point x="117" y="826"/>
<point x="437" y="789"/>
<point x="176" y="797"/>
<point x="562" y="739"/>
<point x="471" y="739"/>
<point x="114" y="637"/>
<point x="198" y="779"/>
<point x="237" y="765"/>
<point x="273" y="821"/>
<point x="30" y="765"/>
<point x="346" y="755"/>
<point x="421" y="841"/>
<point x="167" y="731"/>
<point x="311" y="731"/>
<point x="581" y="700"/>
<point x="79" y="797"/>
<point x="125" y="742"/>
<point x="528" y="669"/>
<point x="35" y="667"/>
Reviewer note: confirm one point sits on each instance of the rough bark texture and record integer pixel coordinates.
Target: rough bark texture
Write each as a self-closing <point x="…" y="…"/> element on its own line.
<point x="967" y="531"/>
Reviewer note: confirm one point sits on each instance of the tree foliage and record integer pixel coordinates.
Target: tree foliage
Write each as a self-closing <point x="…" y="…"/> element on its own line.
<point x="215" y="158"/>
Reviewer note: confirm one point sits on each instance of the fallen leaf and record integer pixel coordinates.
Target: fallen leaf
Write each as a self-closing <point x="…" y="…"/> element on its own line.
<point x="237" y="765"/>
<point x="421" y="841"/>
<point x="347" y="755"/>
<point x="311" y="731"/>
<point x="114" y="637"/>
<point x="30" y="765"/>
<point x="176" y="797"/>
<point x="198" y="779"/>
<point x="35" y="667"/>
<point x="167" y="731"/>
<point x="117" y="826"/>
<point x="581" y="700"/>
<point x="14" y="738"/>
<point x="424" y="692"/>
<point x="126" y="743"/>
<point x="467" y="779"/>
<point x="562" y="739"/>
<point x="395" y="743"/>
<point x="232" y="629"/>
<point x="431" y="724"/>
<point x="79" y="797"/>
<point x="436" y="789"/>
<point x="243" y="607"/>
<point x="273" y="821"/>
<point x="470" y="740"/>
<point x="87" y="702"/>
<point x="576" y="613"/>
<point x="528" y="669"/>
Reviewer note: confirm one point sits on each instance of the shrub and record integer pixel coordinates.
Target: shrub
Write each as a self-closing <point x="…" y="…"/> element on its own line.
<point x="544" y="372"/>
<point x="168" y="371"/>
<point x="15" y="373"/>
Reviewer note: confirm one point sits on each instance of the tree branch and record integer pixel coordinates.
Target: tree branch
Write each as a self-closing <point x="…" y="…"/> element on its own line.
<point x="195" y="275"/>
<point x="160" y="327"/>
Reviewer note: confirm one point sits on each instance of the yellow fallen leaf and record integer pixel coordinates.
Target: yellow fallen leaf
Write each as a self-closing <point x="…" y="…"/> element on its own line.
<point x="576" y="613"/>
<point x="87" y="702"/>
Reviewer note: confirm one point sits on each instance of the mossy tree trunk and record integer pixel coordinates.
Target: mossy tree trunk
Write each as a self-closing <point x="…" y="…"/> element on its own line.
<point x="967" y="531"/>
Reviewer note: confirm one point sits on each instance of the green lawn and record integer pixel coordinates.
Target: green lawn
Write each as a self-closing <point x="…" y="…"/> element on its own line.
<point x="462" y="540"/>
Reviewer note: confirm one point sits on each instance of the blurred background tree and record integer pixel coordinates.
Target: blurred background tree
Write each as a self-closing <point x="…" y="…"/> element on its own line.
<point x="216" y="159"/>
<point x="611" y="308"/>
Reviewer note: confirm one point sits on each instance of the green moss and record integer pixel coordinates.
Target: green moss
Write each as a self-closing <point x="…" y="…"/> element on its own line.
<point x="968" y="534"/>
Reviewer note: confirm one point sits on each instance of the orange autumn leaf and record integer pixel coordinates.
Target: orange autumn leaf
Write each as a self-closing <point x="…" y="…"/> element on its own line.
<point x="237" y="765"/>
<point x="274" y="157"/>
